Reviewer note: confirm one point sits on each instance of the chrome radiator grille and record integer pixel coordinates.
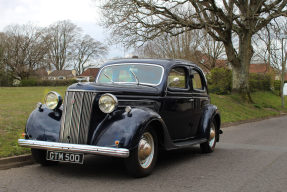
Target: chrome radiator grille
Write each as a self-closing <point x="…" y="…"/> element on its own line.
<point x="76" y="117"/>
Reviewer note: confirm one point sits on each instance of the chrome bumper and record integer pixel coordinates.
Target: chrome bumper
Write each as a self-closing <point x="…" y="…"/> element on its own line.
<point x="89" y="149"/>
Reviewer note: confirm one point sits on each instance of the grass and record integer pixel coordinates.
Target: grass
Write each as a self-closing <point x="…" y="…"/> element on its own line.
<point x="15" y="106"/>
<point x="233" y="109"/>
<point x="17" y="103"/>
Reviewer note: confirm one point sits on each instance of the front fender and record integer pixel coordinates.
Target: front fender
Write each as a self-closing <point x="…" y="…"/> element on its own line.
<point x="210" y="112"/>
<point x="44" y="124"/>
<point x="125" y="128"/>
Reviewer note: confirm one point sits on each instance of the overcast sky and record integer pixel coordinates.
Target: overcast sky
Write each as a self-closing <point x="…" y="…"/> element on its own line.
<point x="83" y="13"/>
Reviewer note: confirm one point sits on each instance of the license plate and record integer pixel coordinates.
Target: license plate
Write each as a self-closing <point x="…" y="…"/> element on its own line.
<point x="65" y="157"/>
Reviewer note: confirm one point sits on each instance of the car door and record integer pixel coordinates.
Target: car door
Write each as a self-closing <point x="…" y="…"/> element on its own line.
<point x="178" y="104"/>
<point x="199" y="95"/>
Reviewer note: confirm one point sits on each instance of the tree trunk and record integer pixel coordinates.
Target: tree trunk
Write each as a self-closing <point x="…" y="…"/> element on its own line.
<point x="240" y="65"/>
<point x="241" y="73"/>
<point x="240" y="81"/>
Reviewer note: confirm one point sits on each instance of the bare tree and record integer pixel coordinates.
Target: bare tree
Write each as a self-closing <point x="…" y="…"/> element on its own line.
<point x="268" y="45"/>
<point x="85" y="50"/>
<point x="195" y="46"/>
<point x="167" y="46"/>
<point x="214" y="50"/>
<point x="138" y="21"/>
<point x="272" y="49"/>
<point x="24" y="49"/>
<point x="62" y="36"/>
<point x="2" y="38"/>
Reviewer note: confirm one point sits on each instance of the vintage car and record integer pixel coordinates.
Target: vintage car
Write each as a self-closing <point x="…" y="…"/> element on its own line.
<point x="134" y="108"/>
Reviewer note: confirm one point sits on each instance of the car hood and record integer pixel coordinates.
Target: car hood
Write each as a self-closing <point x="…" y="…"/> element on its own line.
<point x="117" y="89"/>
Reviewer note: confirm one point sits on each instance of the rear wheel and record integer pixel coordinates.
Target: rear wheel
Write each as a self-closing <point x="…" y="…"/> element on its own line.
<point x="142" y="159"/>
<point x="209" y="146"/>
<point x="39" y="156"/>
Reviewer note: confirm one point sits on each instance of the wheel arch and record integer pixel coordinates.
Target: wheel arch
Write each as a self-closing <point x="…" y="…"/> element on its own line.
<point x="217" y="121"/>
<point x="128" y="128"/>
<point x="209" y="114"/>
<point x="159" y="127"/>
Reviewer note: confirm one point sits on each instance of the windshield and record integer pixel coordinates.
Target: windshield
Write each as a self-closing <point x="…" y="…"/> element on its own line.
<point x="148" y="74"/>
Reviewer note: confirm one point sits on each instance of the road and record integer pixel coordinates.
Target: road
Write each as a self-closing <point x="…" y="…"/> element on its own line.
<point x="249" y="157"/>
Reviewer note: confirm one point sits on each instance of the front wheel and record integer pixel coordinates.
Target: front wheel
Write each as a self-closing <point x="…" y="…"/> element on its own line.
<point x="209" y="146"/>
<point x="142" y="159"/>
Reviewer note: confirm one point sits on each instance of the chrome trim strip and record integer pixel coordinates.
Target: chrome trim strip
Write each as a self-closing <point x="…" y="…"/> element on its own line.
<point x="81" y="90"/>
<point x="89" y="149"/>
<point x="133" y="64"/>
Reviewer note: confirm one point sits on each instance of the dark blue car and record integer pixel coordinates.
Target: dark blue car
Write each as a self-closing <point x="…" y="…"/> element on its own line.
<point x="134" y="108"/>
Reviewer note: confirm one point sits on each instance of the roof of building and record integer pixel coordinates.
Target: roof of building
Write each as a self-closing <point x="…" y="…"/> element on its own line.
<point x="221" y="63"/>
<point x="58" y="73"/>
<point x="91" y="72"/>
<point x="258" y="68"/>
<point x="40" y="72"/>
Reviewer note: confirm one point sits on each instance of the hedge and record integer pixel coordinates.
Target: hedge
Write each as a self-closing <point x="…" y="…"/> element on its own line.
<point x="277" y="85"/>
<point x="36" y="82"/>
<point x="5" y="80"/>
<point x="220" y="81"/>
<point x="260" y="82"/>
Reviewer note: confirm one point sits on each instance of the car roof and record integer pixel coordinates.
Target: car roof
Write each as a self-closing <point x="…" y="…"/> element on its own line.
<point x="166" y="63"/>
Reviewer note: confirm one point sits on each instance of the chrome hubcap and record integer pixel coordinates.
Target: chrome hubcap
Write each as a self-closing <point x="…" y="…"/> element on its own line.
<point x="146" y="150"/>
<point x="212" y="135"/>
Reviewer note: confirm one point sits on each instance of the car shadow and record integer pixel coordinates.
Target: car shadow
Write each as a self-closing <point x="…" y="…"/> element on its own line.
<point x="102" y="167"/>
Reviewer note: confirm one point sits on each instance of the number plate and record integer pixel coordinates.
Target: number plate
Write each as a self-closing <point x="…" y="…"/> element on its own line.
<point x="65" y="157"/>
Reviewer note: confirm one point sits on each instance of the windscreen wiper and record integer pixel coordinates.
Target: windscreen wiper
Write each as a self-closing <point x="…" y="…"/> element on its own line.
<point x="138" y="82"/>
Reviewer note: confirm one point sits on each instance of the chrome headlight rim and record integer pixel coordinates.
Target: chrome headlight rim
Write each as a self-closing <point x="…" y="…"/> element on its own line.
<point x="59" y="100"/>
<point x="115" y="104"/>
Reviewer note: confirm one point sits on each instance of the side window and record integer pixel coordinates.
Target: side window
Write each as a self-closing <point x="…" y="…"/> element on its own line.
<point x="177" y="78"/>
<point x="196" y="80"/>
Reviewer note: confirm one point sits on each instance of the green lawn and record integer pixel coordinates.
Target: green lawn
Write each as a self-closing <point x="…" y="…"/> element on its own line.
<point x="17" y="103"/>
<point x="15" y="106"/>
<point x="233" y="109"/>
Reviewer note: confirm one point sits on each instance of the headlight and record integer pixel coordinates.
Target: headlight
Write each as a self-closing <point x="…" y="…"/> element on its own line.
<point x="53" y="100"/>
<point x="108" y="103"/>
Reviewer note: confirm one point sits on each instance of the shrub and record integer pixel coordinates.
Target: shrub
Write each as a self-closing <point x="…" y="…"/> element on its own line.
<point x="220" y="81"/>
<point x="277" y="84"/>
<point x="5" y="79"/>
<point x="260" y="82"/>
<point x="29" y="82"/>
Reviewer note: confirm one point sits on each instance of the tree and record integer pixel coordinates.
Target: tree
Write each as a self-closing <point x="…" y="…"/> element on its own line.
<point x="2" y="37"/>
<point x="195" y="46"/>
<point x="268" y="45"/>
<point x="138" y="21"/>
<point x="166" y="46"/>
<point x="62" y="36"/>
<point x="213" y="49"/>
<point x="86" y="49"/>
<point x="272" y="49"/>
<point x="24" y="49"/>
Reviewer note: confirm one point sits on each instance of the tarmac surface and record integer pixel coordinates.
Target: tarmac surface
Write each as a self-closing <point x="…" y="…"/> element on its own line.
<point x="249" y="157"/>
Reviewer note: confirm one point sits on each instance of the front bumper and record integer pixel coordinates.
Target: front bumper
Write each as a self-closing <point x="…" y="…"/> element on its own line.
<point x="89" y="149"/>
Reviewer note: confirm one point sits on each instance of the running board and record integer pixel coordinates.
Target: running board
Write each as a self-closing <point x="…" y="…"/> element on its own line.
<point x="189" y="143"/>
